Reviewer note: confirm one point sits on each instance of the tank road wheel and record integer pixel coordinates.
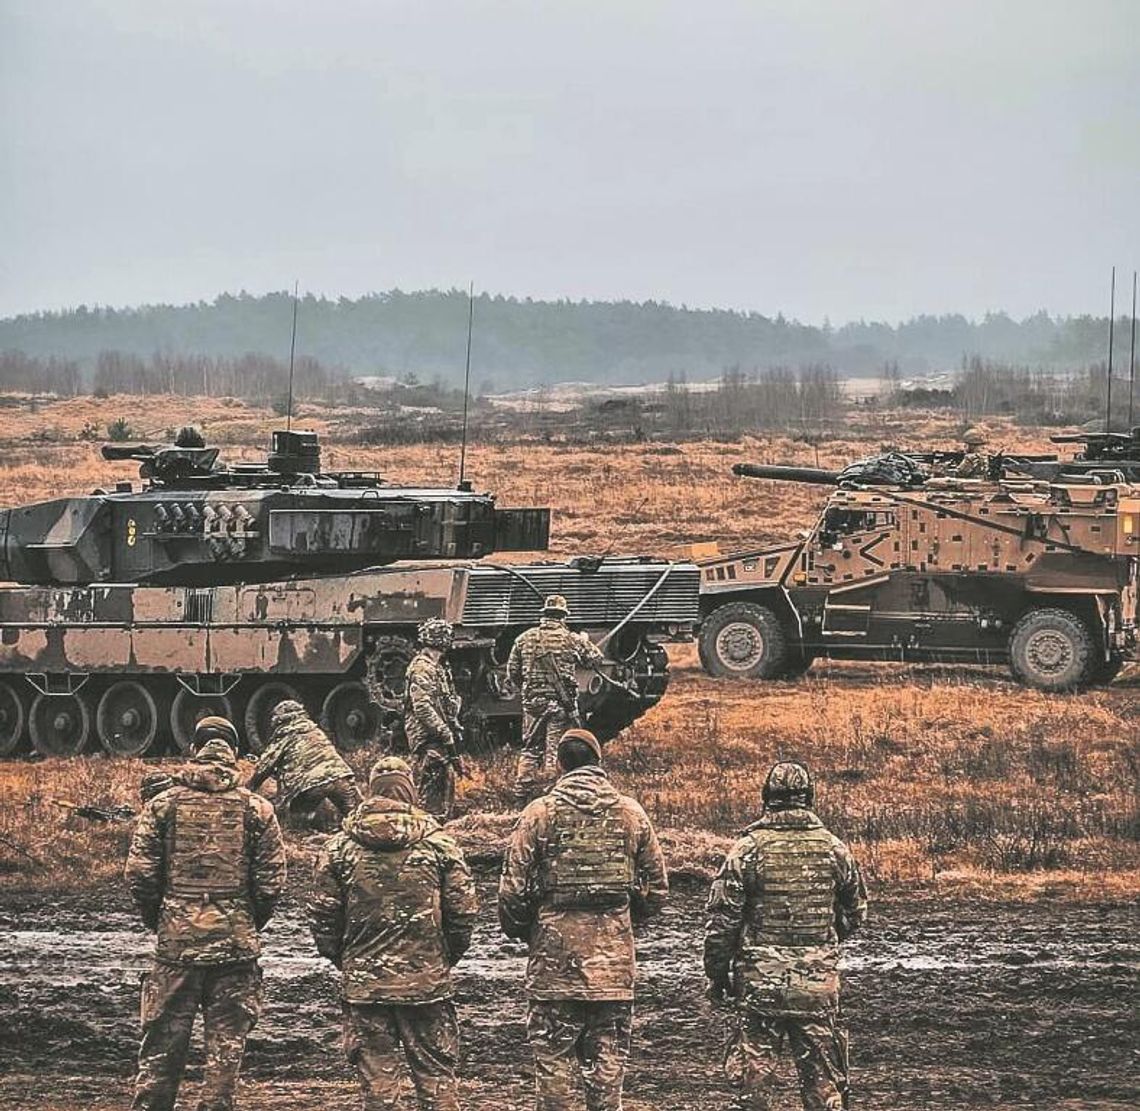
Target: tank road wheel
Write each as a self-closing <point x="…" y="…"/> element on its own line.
<point x="742" y="640"/>
<point x="1052" y="650"/>
<point x="126" y="720"/>
<point x="349" y="716"/>
<point x="13" y="718"/>
<point x="260" y="709"/>
<point x="60" y="724"/>
<point x="188" y="709"/>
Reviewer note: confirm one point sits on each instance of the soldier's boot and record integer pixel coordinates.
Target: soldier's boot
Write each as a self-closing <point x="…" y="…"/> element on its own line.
<point x="231" y="1004"/>
<point x="603" y="1053"/>
<point x="169" y="1003"/>
<point x="430" y="1035"/>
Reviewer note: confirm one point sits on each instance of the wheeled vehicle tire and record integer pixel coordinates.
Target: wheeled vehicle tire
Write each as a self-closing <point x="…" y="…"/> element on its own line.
<point x="743" y="640"/>
<point x="1052" y="650"/>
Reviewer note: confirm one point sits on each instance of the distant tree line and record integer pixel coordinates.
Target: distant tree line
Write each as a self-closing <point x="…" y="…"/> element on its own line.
<point x="522" y="343"/>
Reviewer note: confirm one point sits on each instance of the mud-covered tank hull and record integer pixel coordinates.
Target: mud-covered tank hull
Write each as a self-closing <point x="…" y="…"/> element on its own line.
<point x="131" y="668"/>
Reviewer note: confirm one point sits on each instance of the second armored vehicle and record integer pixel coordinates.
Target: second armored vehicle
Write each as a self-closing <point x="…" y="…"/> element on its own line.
<point x="1036" y="574"/>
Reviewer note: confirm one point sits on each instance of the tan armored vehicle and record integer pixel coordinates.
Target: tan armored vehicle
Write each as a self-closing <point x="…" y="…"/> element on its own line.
<point x="1038" y="574"/>
<point x="226" y="589"/>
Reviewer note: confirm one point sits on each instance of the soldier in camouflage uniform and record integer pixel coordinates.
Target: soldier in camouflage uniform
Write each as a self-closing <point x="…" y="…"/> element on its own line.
<point x="431" y="719"/>
<point x="392" y="906"/>
<point x="785" y="897"/>
<point x="583" y="866"/>
<point x="306" y="765"/>
<point x="975" y="462"/>
<point x="542" y="667"/>
<point x="206" y="868"/>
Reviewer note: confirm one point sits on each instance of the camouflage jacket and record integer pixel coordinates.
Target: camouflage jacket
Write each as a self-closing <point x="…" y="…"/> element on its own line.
<point x="392" y="905"/>
<point x="787" y="893"/>
<point x="544" y="661"/>
<point x="206" y="868"/>
<point x="301" y="758"/>
<point x="431" y="704"/>
<point x="583" y="864"/>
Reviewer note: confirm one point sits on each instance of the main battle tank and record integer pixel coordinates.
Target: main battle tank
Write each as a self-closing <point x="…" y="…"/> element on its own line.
<point x="223" y="589"/>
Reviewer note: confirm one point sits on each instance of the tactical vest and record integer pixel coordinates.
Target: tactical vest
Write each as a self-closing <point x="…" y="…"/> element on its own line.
<point x="794" y="901"/>
<point x="586" y="865"/>
<point x="208" y="857"/>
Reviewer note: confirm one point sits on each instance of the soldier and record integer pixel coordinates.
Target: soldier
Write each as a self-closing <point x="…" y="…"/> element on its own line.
<point x="392" y="906"/>
<point x="306" y="765"/>
<point x="975" y="462"/>
<point x="542" y="667"/>
<point x="431" y="719"/>
<point x="787" y="893"/>
<point x="206" y="868"/>
<point x="583" y="866"/>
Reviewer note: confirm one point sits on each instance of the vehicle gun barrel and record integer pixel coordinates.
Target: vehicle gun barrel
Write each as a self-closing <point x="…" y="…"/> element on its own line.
<point x="814" y="475"/>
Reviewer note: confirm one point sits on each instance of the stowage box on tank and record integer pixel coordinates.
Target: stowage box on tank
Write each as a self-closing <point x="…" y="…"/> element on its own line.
<point x="227" y="589"/>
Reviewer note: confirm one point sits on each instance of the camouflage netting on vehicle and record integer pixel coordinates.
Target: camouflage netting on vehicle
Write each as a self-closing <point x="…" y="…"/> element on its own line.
<point x="891" y="469"/>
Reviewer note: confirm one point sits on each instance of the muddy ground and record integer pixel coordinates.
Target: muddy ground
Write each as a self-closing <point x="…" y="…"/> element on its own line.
<point x="967" y="1006"/>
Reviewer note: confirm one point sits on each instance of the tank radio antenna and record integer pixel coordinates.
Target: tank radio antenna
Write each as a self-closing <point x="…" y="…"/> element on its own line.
<point x="466" y="386"/>
<point x="1111" y="323"/>
<point x="292" y="351"/>
<point x="1132" y="353"/>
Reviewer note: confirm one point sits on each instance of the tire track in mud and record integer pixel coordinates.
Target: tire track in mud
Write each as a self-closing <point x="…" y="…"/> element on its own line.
<point x="966" y="1006"/>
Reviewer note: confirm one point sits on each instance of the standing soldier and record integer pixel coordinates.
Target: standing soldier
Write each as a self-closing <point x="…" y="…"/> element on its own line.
<point x="206" y="868"/>
<point x="582" y="867"/>
<point x="431" y="719"/>
<point x="393" y="905"/>
<point x="785" y="897"/>
<point x="542" y="666"/>
<point x="306" y="765"/>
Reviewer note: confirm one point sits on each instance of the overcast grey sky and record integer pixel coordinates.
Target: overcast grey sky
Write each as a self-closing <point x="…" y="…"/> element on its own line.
<point x="840" y="157"/>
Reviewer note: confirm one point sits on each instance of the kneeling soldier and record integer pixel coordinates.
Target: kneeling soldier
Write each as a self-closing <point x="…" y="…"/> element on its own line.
<point x="583" y="865"/>
<point x="785" y="896"/>
<point x="206" y="868"/>
<point x="306" y="765"/>
<point x="393" y="905"/>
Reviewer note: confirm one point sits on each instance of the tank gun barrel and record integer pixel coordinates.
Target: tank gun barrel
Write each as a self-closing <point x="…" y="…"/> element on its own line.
<point x="141" y="452"/>
<point x="816" y="476"/>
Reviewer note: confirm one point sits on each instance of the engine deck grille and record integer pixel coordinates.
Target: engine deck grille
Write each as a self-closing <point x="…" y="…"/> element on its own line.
<point x="603" y="597"/>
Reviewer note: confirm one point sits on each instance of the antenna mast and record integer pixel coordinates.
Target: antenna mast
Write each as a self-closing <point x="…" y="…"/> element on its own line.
<point x="1111" y="323"/>
<point x="1132" y="353"/>
<point x="292" y="350"/>
<point x="466" y="384"/>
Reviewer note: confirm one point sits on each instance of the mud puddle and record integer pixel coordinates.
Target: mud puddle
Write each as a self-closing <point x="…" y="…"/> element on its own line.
<point x="967" y="1006"/>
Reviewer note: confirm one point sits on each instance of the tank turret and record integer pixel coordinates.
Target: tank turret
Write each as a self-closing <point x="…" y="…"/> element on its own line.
<point x="196" y="522"/>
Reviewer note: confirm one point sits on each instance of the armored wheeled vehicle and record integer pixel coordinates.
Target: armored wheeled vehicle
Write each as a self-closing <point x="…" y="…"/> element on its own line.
<point x="901" y="565"/>
<point x="226" y="589"/>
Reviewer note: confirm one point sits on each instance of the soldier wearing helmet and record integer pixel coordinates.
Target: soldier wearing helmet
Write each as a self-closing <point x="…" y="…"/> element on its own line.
<point x="786" y="895"/>
<point x="543" y="669"/>
<point x="431" y="719"/>
<point x="306" y="765"/>
<point x="975" y="462"/>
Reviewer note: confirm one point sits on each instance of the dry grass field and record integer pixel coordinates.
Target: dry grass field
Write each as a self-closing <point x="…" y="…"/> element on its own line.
<point x="998" y="827"/>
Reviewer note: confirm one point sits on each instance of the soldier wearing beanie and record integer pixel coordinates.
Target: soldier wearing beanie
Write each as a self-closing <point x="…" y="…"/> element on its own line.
<point x="393" y="905"/>
<point x="205" y="869"/>
<point x="583" y="865"/>
<point x="785" y="897"/>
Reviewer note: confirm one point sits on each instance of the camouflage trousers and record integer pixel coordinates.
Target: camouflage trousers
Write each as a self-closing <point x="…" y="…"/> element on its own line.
<point x="435" y="782"/>
<point x="818" y="1048"/>
<point x="229" y="997"/>
<point x="543" y="723"/>
<point x="343" y="793"/>
<point x="571" y="1036"/>
<point x="426" y="1037"/>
